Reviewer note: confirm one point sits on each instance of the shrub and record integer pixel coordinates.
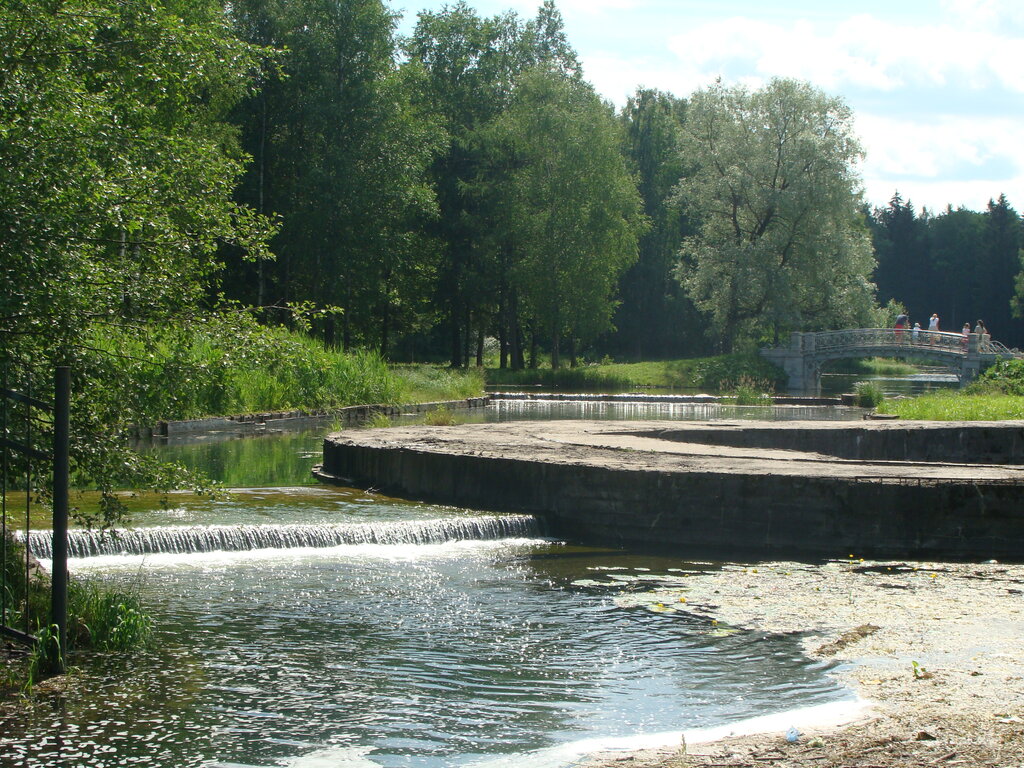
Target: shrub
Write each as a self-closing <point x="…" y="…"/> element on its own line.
<point x="439" y="417"/>
<point x="868" y="394"/>
<point x="1005" y="377"/>
<point x="727" y="372"/>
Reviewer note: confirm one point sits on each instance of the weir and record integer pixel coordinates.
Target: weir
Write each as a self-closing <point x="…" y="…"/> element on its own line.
<point x="241" y="538"/>
<point x="810" y="490"/>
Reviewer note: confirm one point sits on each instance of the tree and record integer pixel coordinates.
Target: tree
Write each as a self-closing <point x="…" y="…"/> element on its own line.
<point x="471" y="67"/>
<point x="655" y="317"/>
<point x="781" y="245"/>
<point x="1001" y="246"/>
<point x="116" y="171"/>
<point x="341" y="157"/>
<point x="905" y="269"/>
<point x="573" y="209"/>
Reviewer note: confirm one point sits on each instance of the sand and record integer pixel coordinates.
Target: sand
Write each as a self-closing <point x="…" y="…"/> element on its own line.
<point x="936" y="649"/>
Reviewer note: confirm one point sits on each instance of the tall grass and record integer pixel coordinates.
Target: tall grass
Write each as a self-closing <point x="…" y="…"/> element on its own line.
<point x="720" y="373"/>
<point x="956" y="406"/>
<point x="236" y="367"/>
<point x="431" y="383"/>
<point x="100" y="617"/>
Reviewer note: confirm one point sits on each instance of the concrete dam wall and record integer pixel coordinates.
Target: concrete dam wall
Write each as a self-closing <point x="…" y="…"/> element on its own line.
<point x="808" y="490"/>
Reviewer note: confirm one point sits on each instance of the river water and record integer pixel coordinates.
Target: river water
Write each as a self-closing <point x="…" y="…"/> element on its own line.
<point x="303" y="625"/>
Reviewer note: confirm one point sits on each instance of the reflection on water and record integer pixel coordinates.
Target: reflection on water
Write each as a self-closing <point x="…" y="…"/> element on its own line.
<point x="447" y="650"/>
<point x="430" y="656"/>
<point x="927" y="380"/>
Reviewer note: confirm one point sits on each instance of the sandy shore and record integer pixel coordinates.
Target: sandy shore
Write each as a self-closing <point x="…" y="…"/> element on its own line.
<point x="936" y="648"/>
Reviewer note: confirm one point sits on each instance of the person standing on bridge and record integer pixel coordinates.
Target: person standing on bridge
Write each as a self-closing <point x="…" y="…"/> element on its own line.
<point x="915" y="335"/>
<point x="902" y="321"/>
<point x="982" y="332"/>
<point x="966" y="333"/>
<point x="933" y="328"/>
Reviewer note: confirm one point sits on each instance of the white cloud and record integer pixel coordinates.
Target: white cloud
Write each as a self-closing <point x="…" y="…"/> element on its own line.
<point x="861" y="51"/>
<point x="938" y="105"/>
<point x="954" y="160"/>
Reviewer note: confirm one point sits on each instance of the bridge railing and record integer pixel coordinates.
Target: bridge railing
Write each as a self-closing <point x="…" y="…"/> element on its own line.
<point x="989" y="346"/>
<point x="873" y="338"/>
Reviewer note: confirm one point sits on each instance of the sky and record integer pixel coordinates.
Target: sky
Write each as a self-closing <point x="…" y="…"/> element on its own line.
<point x="936" y="86"/>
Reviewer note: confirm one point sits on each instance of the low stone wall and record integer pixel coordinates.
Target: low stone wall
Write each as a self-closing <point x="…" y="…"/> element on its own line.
<point x="989" y="442"/>
<point x="349" y="416"/>
<point x="713" y="511"/>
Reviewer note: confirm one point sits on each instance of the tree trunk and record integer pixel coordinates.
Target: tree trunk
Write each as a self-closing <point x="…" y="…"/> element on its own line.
<point x="456" y="338"/>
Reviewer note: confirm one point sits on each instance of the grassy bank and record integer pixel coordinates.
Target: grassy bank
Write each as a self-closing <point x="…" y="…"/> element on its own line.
<point x="234" y="365"/>
<point x="100" y="618"/>
<point x="997" y="395"/>
<point x="956" y="406"/>
<point x="876" y="366"/>
<point x="723" y="373"/>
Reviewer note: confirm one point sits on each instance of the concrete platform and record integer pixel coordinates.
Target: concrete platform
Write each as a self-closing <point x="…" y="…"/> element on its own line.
<point x="732" y="490"/>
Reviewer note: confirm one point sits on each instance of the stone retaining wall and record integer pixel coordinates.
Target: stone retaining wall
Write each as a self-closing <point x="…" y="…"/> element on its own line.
<point x="711" y="514"/>
<point x="963" y="442"/>
<point x="349" y="416"/>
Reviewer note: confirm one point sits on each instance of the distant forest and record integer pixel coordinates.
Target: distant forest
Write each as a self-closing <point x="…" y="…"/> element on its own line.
<point x="458" y="193"/>
<point x="960" y="264"/>
<point x="403" y="174"/>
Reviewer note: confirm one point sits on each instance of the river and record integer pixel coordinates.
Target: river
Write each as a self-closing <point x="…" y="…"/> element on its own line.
<point x="309" y="626"/>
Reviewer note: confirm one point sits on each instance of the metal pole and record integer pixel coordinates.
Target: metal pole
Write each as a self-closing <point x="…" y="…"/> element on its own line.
<point x="61" y="471"/>
<point x="28" y="507"/>
<point x="3" y="503"/>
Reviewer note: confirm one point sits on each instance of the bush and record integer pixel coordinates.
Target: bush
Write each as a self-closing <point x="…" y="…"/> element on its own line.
<point x="1006" y="377"/>
<point x="868" y="394"/>
<point x="726" y="373"/>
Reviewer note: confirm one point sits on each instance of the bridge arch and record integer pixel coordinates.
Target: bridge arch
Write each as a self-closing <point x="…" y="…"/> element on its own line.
<point x="807" y="352"/>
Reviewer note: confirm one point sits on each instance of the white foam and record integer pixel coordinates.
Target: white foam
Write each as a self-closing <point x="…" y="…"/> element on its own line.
<point x="393" y="552"/>
<point x="830" y="715"/>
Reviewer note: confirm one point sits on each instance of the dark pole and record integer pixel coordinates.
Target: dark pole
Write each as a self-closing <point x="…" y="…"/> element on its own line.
<point x="61" y="470"/>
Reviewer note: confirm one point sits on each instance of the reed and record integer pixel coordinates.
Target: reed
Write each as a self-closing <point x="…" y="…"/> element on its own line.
<point x="439" y="417"/>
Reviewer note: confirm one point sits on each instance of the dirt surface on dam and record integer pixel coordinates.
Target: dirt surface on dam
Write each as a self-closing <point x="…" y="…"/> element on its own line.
<point x="726" y="490"/>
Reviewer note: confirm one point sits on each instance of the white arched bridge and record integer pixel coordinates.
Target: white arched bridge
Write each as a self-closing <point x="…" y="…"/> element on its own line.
<point x="966" y="355"/>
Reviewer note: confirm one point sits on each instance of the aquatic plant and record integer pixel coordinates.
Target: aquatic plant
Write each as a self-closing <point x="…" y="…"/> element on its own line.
<point x="378" y="420"/>
<point x="439" y="417"/>
<point x="868" y="394"/>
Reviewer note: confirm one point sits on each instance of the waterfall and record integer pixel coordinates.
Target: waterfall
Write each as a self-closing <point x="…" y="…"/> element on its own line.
<point x="239" y="538"/>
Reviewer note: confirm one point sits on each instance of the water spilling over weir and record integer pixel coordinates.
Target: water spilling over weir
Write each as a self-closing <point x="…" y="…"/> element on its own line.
<point x="240" y="538"/>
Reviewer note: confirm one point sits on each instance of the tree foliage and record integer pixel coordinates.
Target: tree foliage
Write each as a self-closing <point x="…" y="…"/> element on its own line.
<point x="960" y="264"/>
<point x="572" y="211"/>
<point x="655" y="318"/>
<point x="116" y="174"/>
<point x="773" y="185"/>
<point x="339" y="157"/>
